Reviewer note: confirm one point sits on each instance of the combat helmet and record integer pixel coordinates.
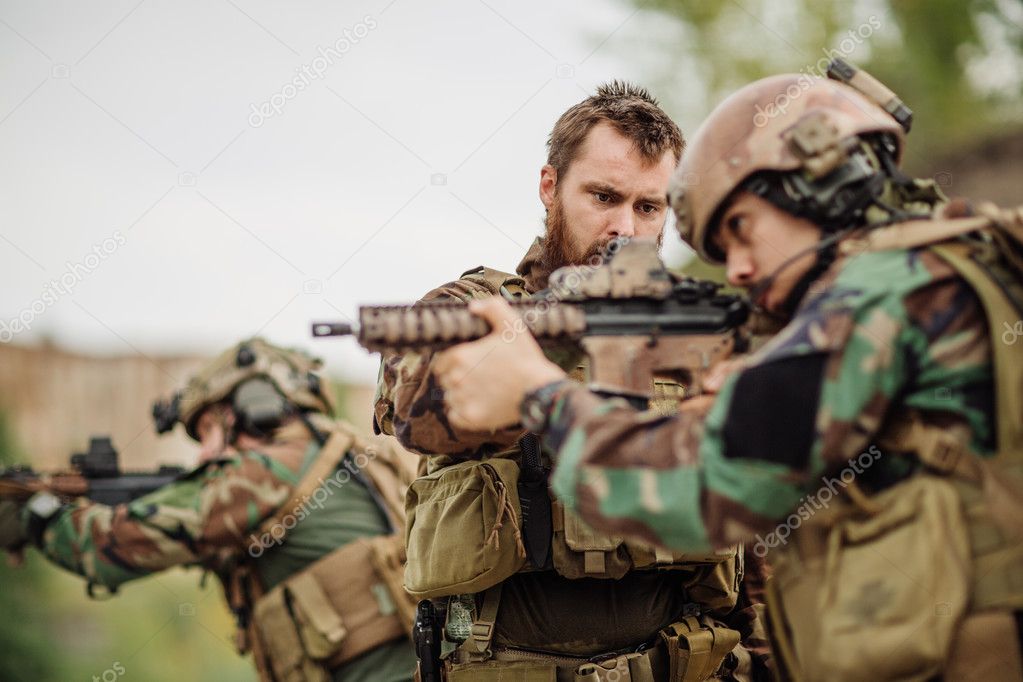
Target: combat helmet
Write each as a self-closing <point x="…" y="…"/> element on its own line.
<point x="263" y="382"/>
<point x="796" y="140"/>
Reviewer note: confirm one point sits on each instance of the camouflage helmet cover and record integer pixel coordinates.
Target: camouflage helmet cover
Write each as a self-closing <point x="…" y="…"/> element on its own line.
<point x="293" y="372"/>
<point x="780" y="123"/>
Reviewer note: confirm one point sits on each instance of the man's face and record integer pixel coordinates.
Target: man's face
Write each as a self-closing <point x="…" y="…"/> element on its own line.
<point x="757" y="237"/>
<point x="609" y="190"/>
<point x="213" y="427"/>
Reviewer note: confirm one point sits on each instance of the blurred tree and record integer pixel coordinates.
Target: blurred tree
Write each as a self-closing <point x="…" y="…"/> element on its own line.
<point x="957" y="63"/>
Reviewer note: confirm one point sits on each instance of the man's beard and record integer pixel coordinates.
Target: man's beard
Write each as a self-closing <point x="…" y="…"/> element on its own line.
<point x="560" y="249"/>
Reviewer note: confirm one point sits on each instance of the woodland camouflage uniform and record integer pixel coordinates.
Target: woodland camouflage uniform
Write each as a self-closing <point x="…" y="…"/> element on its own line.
<point x="874" y="442"/>
<point x="216" y="516"/>
<point x="543" y="610"/>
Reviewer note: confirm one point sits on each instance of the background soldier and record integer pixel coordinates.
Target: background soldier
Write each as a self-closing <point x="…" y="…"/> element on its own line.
<point x="585" y="595"/>
<point x="325" y="604"/>
<point x="907" y="562"/>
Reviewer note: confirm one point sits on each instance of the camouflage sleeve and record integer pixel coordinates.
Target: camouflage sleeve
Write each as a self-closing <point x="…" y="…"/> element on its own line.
<point x="410" y="405"/>
<point x="806" y="407"/>
<point x="185" y="522"/>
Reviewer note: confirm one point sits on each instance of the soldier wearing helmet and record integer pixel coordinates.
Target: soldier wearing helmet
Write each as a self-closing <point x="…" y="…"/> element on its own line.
<point x="867" y="448"/>
<point x="298" y="514"/>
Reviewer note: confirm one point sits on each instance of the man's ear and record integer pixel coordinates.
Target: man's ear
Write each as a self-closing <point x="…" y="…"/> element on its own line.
<point x="548" y="185"/>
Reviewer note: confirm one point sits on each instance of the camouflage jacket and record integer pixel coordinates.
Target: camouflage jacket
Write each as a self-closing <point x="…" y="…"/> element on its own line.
<point x="410" y="405"/>
<point x="878" y="333"/>
<point x="211" y="516"/>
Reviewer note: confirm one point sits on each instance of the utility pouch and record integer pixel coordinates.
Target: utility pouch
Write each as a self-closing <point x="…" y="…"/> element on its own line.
<point x="387" y="554"/>
<point x="319" y="626"/>
<point x="715" y="586"/>
<point x="335" y="610"/>
<point x="582" y="552"/>
<point x="463" y="528"/>
<point x="877" y="589"/>
<point x="697" y="646"/>
<point x="635" y="667"/>
<point x="501" y="671"/>
<point x="280" y="636"/>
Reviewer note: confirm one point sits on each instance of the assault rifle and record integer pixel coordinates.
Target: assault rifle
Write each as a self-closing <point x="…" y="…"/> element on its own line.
<point x="630" y="316"/>
<point x="95" y="474"/>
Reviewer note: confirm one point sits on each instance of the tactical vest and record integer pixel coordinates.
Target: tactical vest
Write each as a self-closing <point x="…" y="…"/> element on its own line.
<point x="923" y="578"/>
<point x="473" y="524"/>
<point x="342" y="605"/>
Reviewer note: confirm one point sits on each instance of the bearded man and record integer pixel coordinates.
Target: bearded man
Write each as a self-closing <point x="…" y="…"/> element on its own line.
<point x="575" y="604"/>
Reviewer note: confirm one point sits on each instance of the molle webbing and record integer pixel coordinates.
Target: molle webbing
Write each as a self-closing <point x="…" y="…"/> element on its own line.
<point x="497" y="282"/>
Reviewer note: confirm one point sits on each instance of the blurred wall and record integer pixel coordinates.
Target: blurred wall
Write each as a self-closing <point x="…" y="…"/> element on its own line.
<point x="54" y="399"/>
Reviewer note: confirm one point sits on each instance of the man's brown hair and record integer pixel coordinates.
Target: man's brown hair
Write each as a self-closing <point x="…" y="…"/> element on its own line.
<point x="633" y="113"/>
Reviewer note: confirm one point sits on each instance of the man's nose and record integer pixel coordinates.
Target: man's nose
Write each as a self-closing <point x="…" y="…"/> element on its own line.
<point x="739" y="269"/>
<point x="623" y="222"/>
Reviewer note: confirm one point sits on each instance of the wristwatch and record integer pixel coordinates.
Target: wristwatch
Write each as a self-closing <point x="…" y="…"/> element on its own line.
<point x="536" y="406"/>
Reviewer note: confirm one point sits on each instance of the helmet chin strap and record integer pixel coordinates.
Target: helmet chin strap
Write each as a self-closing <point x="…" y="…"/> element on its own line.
<point x="825" y="256"/>
<point x="825" y="251"/>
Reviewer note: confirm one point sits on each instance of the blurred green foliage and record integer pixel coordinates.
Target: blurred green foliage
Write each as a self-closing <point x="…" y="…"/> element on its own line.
<point x="26" y="656"/>
<point x="957" y="63"/>
<point x="338" y="391"/>
<point x="162" y="628"/>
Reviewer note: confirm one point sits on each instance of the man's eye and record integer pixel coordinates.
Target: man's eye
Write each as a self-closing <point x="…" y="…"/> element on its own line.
<point x="735" y="223"/>
<point x="602" y="197"/>
<point x="648" y="209"/>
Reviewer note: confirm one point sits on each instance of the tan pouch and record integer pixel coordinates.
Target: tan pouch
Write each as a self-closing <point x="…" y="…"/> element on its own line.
<point x="500" y="671"/>
<point x="878" y="594"/>
<point x="463" y="528"/>
<point x="281" y="640"/>
<point x="715" y="586"/>
<point x="650" y="557"/>
<point x="388" y="557"/>
<point x="334" y="611"/>
<point x="635" y="667"/>
<point x="319" y="626"/>
<point x="370" y="613"/>
<point x="697" y="646"/>
<point x="579" y="551"/>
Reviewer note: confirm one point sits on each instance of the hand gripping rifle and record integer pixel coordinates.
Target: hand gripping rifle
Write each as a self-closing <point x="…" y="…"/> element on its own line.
<point x="630" y="316"/>
<point x="95" y="474"/>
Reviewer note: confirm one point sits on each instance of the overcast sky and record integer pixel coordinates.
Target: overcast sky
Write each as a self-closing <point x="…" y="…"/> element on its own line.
<point x="178" y="175"/>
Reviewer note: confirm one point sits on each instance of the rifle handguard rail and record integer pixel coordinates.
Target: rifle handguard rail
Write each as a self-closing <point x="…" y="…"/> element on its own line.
<point x="428" y="324"/>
